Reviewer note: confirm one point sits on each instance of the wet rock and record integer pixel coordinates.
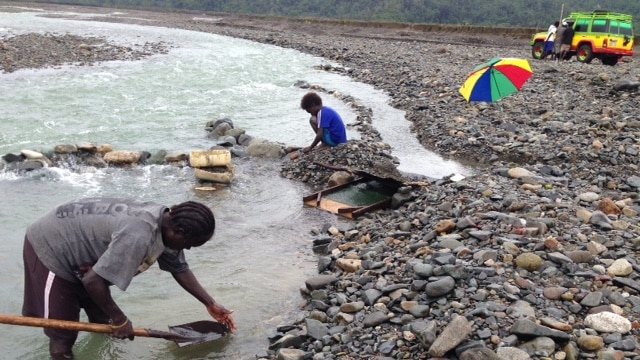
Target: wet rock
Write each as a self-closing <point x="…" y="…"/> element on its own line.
<point x="320" y="282"/>
<point x="121" y="157"/>
<point x="265" y="148"/>
<point x="65" y="149"/>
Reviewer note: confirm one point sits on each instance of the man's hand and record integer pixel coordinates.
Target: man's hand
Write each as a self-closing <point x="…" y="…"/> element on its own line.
<point x="188" y="281"/>
<point x="98" y="290"/>
<point x="222" y="316"/>
<point x="123" y="330"/>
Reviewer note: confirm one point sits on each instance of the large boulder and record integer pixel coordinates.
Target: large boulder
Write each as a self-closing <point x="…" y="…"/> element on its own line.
<point x="264" y="148"/>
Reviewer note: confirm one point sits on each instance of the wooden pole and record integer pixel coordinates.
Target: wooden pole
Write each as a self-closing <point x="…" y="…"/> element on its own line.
<point x="81" y="326"/>
<point x="561" y="13"/>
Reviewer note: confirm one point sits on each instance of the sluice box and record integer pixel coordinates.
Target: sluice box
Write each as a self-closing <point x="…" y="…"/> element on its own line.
<point x="355" y="198"/>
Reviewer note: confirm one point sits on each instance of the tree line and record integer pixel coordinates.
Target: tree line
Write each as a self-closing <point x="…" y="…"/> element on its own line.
<point x="500" y="13"/>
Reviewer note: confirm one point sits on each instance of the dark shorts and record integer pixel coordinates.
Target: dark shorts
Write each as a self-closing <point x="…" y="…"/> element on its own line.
<point x="49" y="296"/>
<point x="326" y="138"/>
<point x="548" y="46"/>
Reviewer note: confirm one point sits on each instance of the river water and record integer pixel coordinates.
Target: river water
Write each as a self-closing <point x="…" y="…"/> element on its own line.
<point x="261" y="252"/>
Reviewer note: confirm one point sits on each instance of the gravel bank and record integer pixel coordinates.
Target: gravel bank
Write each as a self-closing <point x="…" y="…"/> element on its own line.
<point x="533" y="257"/>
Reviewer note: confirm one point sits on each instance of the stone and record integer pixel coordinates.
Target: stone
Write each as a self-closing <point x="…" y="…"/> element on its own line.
<point x="527" y="328"/>
<point x="590" y="342"/>
<point x="352" y="307"/>
<point x="588" y="197"/>
<point x="349" y="265"/>
<point x="620" y="267"/>
<point x="445" y="226"/>
<point x="440" y="287"/>
<point x="65" y="149"/>
<point x="481" y="353"/>
<point x="608" y="207"/>
<point x="340" y="178"/>
<point x="290" y="354"/>
<point x="518" y="172"/>
<point x="31" y="155"/>
<point x="320" y="282"/>
<point x="512" y="353"/>
<point x="122" y="157"/>
<point x="103" y="149"/>
<point x="453" y="334"/>
<point x="316" y="329"/>
<point x="178" y="156"/>
<point x="608" y="322"/>
<point x="86" y="146"/>
<point x="265" y="149"/>
<point x="374" y="319"/>
<point x="529" y="261"/>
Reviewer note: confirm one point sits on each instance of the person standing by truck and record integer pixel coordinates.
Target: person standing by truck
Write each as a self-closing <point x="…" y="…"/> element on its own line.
<point x="551" y="37"/>
<point x="567" y="39"/>
<point x="557" y="44"/>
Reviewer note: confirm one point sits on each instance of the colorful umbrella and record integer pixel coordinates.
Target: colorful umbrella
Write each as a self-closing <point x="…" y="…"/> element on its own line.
<point x="496" y="79"/>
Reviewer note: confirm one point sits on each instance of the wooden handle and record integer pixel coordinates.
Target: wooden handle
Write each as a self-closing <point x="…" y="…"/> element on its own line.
<point x="64" y="325"/>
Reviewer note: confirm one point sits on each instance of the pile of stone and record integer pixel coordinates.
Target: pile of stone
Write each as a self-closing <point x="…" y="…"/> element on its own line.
<point x="228" y="142"/>
<point x="26" y="51"/>
<point x="84" y="154"/>
<point x="507" y="264"/>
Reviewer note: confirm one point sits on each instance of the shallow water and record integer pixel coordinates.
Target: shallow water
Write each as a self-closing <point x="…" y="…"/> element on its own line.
<point x="261" y="252"/>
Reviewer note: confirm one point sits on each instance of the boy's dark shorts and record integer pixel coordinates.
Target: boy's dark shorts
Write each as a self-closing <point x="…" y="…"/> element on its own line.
<point x="326" y="138"/>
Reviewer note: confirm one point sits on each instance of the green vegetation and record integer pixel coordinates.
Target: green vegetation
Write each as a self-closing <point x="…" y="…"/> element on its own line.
<point x="499" y="13"/>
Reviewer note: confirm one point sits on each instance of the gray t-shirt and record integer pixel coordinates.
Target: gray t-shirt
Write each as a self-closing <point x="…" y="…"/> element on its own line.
<point x="118" y="238"/>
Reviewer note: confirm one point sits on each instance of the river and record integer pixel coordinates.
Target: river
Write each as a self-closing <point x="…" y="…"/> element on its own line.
<point x="261" y="252"/>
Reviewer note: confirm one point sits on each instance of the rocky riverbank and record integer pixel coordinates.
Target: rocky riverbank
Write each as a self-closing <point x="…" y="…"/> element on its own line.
<point x="532" y="257"/>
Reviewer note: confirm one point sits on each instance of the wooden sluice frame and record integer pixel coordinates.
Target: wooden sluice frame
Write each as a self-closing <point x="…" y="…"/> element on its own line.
<point x="320" y="201"/>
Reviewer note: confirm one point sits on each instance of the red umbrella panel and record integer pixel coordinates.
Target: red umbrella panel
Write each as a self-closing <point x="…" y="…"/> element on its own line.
<point x="496" y="79"/>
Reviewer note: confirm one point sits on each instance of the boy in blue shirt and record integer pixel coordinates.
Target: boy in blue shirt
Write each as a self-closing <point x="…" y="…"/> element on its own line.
<point x="325" y="122"/>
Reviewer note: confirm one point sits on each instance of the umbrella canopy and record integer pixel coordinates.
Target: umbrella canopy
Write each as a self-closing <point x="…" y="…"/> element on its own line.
<point x="496" y="79"/>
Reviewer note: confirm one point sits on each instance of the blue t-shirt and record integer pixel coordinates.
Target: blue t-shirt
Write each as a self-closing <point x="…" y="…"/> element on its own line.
<point x="331" y="121"/>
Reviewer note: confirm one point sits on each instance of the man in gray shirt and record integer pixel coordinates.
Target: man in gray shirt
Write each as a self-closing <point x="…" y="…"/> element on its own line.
<point x="76" y="251"/>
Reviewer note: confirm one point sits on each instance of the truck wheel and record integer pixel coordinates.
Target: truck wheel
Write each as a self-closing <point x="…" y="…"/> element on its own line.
<point x="537" y="50"/>
<point x="584" y="54"/>
<point x="610" y="60"/>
